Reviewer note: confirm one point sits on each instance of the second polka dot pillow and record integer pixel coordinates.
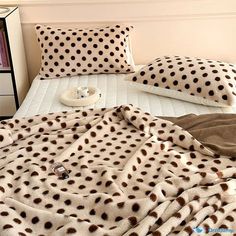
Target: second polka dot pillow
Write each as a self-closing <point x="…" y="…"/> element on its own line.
<point x="191" y="79"/>
<point x="67" y="52"/>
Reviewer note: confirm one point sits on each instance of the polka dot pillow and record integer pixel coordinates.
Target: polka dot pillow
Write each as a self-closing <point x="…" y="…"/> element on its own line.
<point x="68" y="52"/>
<point x="191" y="79"/>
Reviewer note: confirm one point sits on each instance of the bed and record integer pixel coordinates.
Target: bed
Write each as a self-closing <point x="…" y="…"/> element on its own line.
<point x="158" y="176"/>
<point x="139" y="164"/>
<point x="43" y="97"/>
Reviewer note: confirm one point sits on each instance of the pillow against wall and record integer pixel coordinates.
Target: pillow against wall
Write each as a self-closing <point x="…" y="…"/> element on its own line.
<point x="67" y="52"/>
<point x="191" y="79"/>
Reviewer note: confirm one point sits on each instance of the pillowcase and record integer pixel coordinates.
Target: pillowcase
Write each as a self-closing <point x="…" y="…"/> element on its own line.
<point x="67" y="52"/>
<point x="191" y="79"/>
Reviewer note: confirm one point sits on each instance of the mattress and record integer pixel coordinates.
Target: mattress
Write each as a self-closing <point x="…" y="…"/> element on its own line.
<point x="43" y="97"/>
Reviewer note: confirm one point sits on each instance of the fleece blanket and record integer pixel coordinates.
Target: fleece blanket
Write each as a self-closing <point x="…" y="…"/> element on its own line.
<point x="130" y="174"/>
<point x="215" y="131"/>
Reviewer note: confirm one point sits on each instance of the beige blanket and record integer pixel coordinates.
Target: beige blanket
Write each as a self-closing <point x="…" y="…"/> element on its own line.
<point x="130" y="174"/>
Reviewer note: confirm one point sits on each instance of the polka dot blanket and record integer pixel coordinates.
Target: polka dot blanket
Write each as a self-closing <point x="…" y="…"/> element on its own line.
<point x="129" y="174"/>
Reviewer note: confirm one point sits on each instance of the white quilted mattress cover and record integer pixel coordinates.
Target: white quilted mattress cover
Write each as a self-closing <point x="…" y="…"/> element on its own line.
<point x="43" y="97"/>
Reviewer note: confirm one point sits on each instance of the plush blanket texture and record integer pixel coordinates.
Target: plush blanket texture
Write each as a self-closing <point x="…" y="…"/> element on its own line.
<point x="216" y="131"/>
<point x="130" y="174"/>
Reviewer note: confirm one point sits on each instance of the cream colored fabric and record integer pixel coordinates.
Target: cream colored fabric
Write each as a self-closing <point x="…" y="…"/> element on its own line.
<point x="67" y="52"/>
<point x="129" y="174"/>
<point x="196" y="80"/>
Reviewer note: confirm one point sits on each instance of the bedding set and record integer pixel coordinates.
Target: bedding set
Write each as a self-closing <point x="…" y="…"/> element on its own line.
<point x="130" y="172"/>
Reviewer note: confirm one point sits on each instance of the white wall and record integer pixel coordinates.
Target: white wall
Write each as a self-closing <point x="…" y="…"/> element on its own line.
<point x="203" y="28"/>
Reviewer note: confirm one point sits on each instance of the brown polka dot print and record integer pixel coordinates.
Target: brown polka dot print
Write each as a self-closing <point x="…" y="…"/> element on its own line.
<point x="129" y="174"/>
<point x="68" y="52"/>
<point x="192" y="79"/>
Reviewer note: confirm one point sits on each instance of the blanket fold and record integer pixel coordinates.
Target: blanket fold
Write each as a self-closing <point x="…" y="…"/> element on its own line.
<point x="215" y="131"/>
<point x="5" y="138"/>
<point x="129" y="174"/>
